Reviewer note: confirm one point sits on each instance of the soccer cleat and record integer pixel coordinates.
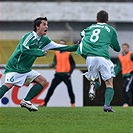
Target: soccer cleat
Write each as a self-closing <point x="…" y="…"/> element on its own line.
<point x="42" y="104"/>
<point x="86" y="75"/>
<point x="92" y="91"/>
<point x="29" y="105"/>
<point x="108" y="109"/>
<point x="72" y="105"/>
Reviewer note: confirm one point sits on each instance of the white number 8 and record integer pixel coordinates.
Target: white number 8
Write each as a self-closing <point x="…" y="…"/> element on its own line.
<point x="95" y="35"/>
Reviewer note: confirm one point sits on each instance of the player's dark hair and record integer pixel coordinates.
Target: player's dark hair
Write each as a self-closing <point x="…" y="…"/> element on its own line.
<point x="125" y="44"/>
<point x="102" y="16"/>
<point x="38" y="21"/>
<point x="64" y="41"/>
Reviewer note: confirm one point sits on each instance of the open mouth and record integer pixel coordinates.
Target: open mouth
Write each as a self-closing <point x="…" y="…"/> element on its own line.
<point x="45" y="30"/>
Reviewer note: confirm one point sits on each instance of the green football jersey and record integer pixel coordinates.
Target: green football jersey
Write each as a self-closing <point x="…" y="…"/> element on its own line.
<point x="96" y="40"/>
<point x="29" y="48"/>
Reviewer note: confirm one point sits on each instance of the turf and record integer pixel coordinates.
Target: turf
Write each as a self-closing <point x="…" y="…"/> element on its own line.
<point x="66" y="120"/>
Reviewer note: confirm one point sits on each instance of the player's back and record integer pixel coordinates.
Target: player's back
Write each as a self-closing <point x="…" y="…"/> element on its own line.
<point x="96" y="40"/>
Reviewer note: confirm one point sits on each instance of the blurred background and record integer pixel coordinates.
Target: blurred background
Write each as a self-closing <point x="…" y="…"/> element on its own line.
<point x="67" y="18"/>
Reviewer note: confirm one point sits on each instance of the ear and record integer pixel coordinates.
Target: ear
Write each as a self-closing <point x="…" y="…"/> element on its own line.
<point x="37" y="27"/>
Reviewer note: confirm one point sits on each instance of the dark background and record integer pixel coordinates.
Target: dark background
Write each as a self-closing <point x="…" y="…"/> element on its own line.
<point x="99" y="99"/>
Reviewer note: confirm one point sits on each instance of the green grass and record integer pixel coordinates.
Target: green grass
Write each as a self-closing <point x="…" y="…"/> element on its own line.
<point x="66" y="120"/>
<point x="8" y="46"/>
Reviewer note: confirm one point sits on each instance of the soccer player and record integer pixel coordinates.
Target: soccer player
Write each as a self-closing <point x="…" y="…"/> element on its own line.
<point x="125" y="63"/>
<point x="65" y="65"/>
<point x="18" y="69"/>
<point x="94" y="46"/>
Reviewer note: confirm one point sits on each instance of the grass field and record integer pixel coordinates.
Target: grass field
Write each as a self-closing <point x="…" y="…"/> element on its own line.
<point x="66" y="120"/>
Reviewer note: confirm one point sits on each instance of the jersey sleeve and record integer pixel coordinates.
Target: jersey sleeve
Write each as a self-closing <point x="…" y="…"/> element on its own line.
<point x="55" y="46"/>
<point x="117" y="68"/>
<point x="131" y="56"/>
<point x="114" y="42"/>
<point x="82" y="34"/>
<point x="26" y="49"/>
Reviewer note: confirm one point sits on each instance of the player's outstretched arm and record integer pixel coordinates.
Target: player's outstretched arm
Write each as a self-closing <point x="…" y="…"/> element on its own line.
<point x="55" y="46"/>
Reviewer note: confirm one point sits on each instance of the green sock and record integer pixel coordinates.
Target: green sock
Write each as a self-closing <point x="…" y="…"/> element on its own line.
<point x="3" y="90"/>
<point x="97" y="85"/>
<point x="109" y="93"/>
<point x="34" y="91"/>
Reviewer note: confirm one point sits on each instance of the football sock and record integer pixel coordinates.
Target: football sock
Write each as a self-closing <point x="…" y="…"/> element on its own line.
<point x="3" y="90"/>
<point x="97" y="85"/>
<point x="109" y="93"/>
<point x="34" y="91"/>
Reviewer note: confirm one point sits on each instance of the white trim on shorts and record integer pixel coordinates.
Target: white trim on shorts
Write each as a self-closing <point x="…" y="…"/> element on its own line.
<point x="99" y="65"/>
<point x="19" y="79"/>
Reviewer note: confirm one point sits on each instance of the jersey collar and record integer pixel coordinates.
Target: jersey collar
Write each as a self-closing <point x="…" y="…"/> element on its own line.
<point x="101" y="23"/>
<point x="36" y="36"/>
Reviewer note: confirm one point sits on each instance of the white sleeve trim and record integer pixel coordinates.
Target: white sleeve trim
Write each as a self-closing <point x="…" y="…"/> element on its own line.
<point x="53" y="45"/>
<point x="27" y="40"/>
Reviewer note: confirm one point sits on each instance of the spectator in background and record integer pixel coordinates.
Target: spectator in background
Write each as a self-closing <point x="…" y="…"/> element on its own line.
<point x="64" y="67"/>
<point x="125" y="64"/>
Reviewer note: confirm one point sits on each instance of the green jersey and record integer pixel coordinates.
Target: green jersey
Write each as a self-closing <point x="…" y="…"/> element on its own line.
<point x="29" y="48"/>
<point x="96" y="40"/>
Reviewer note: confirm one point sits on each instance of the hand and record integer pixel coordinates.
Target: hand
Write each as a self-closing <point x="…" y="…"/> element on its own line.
<point x="45" y="52"/>
<point x="78" y="42"/>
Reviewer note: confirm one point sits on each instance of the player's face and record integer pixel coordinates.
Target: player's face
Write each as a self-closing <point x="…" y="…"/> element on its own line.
<point x="42" y="29"/>
<point x="62" y="42"/>
<point x="125" y="49"/>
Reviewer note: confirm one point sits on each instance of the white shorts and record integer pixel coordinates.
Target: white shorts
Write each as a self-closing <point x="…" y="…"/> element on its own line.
<point x="99" y="65"/>
<point x="19" y="79"/>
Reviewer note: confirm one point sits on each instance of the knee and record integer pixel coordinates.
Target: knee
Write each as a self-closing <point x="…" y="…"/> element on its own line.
<point x="8" y="85"/>
<point x="109" y="83"/>
<point x="43" y="82"/>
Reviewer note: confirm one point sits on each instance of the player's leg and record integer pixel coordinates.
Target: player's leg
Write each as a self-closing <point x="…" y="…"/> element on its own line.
<point x="67" y="81"/>
<point x="4" y="88"/>
<point x="109" y="94"/>
<point x="94" y="86"/>
<point x="16" y="79"/>
<point x="93" y="76"/>
<point x="96" y="82"/>
<point x="107" y="74"/>
<point x="11" y="79"/>
<point x="33" y="92"/>
<point x="40" y="81"/>
<point x="55" y="82"/>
